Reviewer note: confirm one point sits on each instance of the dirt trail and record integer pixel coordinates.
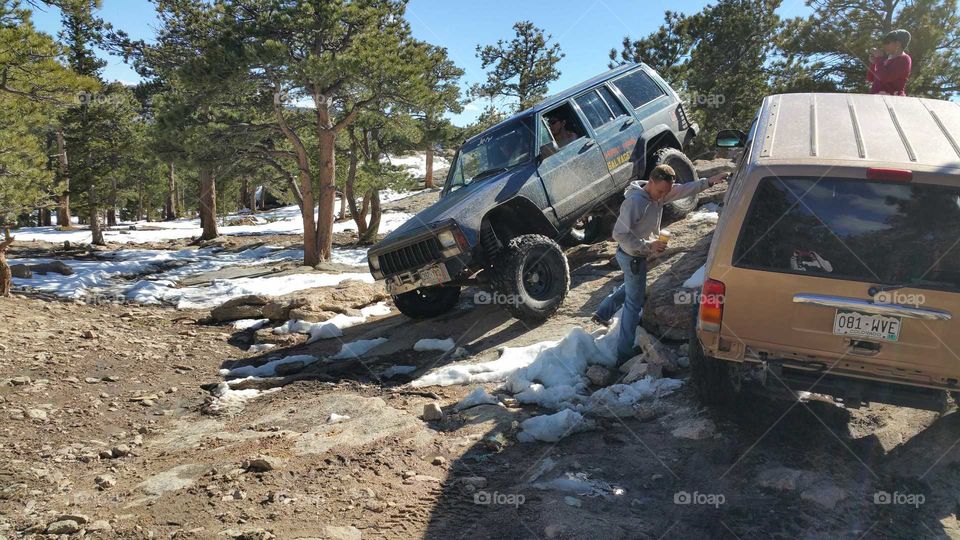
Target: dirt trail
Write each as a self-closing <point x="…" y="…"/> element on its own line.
<point x="110" y="431"/>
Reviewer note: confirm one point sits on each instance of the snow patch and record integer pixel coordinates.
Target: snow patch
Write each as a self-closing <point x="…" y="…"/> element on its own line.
<point x="226" y="398"/>
<point x="332" y="327"/>
<point x="478" y="397"/>
<point x="428" y="344"/>
<point x="553" y="427"/>
<point x="696" y="280"/>
<point x="393" y="371"/>
<point x="269" y="369"/>
<point x="356" y="349"/>
<point x="250" y="324"/>
<point x="335" y="418"/>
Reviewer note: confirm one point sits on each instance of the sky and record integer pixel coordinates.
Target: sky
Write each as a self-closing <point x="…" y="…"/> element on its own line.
<point x="585" y="29"/>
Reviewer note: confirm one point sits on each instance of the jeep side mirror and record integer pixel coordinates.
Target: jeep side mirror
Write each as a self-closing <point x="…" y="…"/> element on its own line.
<point x="548" y="150"/>
<point x="731" y="138"/>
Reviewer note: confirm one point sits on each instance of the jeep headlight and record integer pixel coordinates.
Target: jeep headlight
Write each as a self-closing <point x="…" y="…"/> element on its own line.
<point x="375" y="262"/>
<point x="447" y="239"/>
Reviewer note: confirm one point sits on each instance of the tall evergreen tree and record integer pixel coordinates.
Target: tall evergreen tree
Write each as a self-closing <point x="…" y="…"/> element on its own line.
<point x="522" y="68"/>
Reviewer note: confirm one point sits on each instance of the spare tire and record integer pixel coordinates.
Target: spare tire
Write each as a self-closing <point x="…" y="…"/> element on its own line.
<point x="686" y="172"/>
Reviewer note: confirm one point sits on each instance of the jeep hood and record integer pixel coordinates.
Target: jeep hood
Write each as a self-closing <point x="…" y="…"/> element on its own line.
<point x="466" y="205"/>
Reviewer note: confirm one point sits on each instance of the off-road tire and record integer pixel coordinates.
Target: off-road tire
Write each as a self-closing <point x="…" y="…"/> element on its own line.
<point x="710" y="377"/>
<point x="531" y="273"/>
<point x="427" y="302"/>
<point x="686" y="172"/>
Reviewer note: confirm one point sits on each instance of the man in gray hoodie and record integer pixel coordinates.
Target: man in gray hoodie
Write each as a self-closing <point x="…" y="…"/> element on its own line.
<point x="637" y="231"/>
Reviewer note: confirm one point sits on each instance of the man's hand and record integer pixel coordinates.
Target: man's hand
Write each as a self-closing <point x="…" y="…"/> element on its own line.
<point x="658" y="246"/>
<point x="717" y="178"/>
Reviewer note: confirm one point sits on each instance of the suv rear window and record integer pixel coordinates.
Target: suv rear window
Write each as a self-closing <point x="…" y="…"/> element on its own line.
<point x="877" y="232"/>
<point x="638" y="88"/>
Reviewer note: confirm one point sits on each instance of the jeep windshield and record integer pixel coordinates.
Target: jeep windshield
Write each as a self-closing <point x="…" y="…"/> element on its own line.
<point x="492" y="153"/>
<point x="877" y="232"/>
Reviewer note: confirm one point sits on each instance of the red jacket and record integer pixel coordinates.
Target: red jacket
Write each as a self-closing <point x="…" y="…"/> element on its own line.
<point x="889" y="75"/>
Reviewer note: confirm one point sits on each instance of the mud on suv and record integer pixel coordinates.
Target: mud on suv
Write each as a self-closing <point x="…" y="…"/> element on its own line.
<point x="835" y="266"/>
<point x="552" y="174"/>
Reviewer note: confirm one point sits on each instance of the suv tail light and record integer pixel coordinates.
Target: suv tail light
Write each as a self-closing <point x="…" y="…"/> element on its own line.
<point x="895" y="175"/>
<point x="711" y="305"/>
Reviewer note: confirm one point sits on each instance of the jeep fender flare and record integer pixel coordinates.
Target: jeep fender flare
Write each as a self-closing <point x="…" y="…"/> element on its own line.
<point x="512" y="218"/>
<point x="653" y="139"/>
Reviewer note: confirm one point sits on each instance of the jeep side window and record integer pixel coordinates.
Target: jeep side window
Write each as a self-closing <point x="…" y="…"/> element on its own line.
<point x="564" y="125"/>
<point x="612" y="101"/>
<point x="638" y="88"/>
<point x="594" y="109"/>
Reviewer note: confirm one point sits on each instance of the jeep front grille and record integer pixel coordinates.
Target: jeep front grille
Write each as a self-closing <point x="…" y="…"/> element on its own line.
<point x="410" y="257"/>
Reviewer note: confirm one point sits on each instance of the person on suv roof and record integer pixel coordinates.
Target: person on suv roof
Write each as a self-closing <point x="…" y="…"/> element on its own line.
<point x="890" y="68"/>
<point x="638" y="222"/>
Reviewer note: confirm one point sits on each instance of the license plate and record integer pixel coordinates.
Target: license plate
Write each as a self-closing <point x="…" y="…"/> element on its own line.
<point x="866" y="325"/>
<point x="432" y="275"/>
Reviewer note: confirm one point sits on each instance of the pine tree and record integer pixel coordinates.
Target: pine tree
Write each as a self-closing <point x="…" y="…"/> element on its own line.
<point x="523" y="68"/>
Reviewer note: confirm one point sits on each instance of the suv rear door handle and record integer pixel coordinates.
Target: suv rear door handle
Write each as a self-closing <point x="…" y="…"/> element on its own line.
<point x="627" y="124"/>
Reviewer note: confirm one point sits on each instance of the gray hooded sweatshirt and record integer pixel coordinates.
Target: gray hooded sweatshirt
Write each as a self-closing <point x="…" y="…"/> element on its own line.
<point x="638" y="224"/>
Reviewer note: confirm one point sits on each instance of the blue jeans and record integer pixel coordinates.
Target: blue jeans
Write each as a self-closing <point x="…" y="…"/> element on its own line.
<point x="631" y="296"/>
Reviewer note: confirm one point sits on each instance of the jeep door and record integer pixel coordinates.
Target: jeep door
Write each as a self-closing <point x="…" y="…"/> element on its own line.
<point x="576" y="177"/>
<point x="615" y="130"/>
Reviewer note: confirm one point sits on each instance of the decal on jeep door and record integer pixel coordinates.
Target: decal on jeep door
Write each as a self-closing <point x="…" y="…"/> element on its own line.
<point x="620" y="154"/>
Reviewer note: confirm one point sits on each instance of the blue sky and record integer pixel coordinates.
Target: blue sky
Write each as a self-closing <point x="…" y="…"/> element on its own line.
<point x="585" y="29"/>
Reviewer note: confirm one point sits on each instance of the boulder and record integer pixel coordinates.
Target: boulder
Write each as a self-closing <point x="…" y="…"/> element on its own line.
<point x="21" y="271"/>
<point x="668" y="311"/>
<point x="709" y="167"/>
<point x="242" y="307"/>
<point x="598" y="375"/>
<point x="52" y="267"/>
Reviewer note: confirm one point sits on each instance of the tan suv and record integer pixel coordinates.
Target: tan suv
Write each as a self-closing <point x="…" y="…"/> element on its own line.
<point x="835" y="266"/>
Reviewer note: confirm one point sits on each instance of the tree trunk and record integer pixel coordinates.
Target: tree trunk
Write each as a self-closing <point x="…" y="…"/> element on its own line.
<point x="370" y="235"/>
<point x="428" y="180"/>
<point x="253" y="199"/>
<point x="343" y="207"/>
<point x="208" y="204"/>
<point x="140" y="198"/>
<point x="244" y="194"/>
<point x="170" y="210"/>
<point x="348" y="190"/>
<point x="63" y="197"/>
<point x="311" y="256"/>
<point x="96" y="232"/>
<point x="326" y="199"/>
<point x="112" y="211"/>
<point x="6" y="278"/>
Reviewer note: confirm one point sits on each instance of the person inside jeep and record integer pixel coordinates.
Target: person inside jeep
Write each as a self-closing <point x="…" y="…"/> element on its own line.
<point x="637" y="226"/>
<point x="558" y="127"/>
